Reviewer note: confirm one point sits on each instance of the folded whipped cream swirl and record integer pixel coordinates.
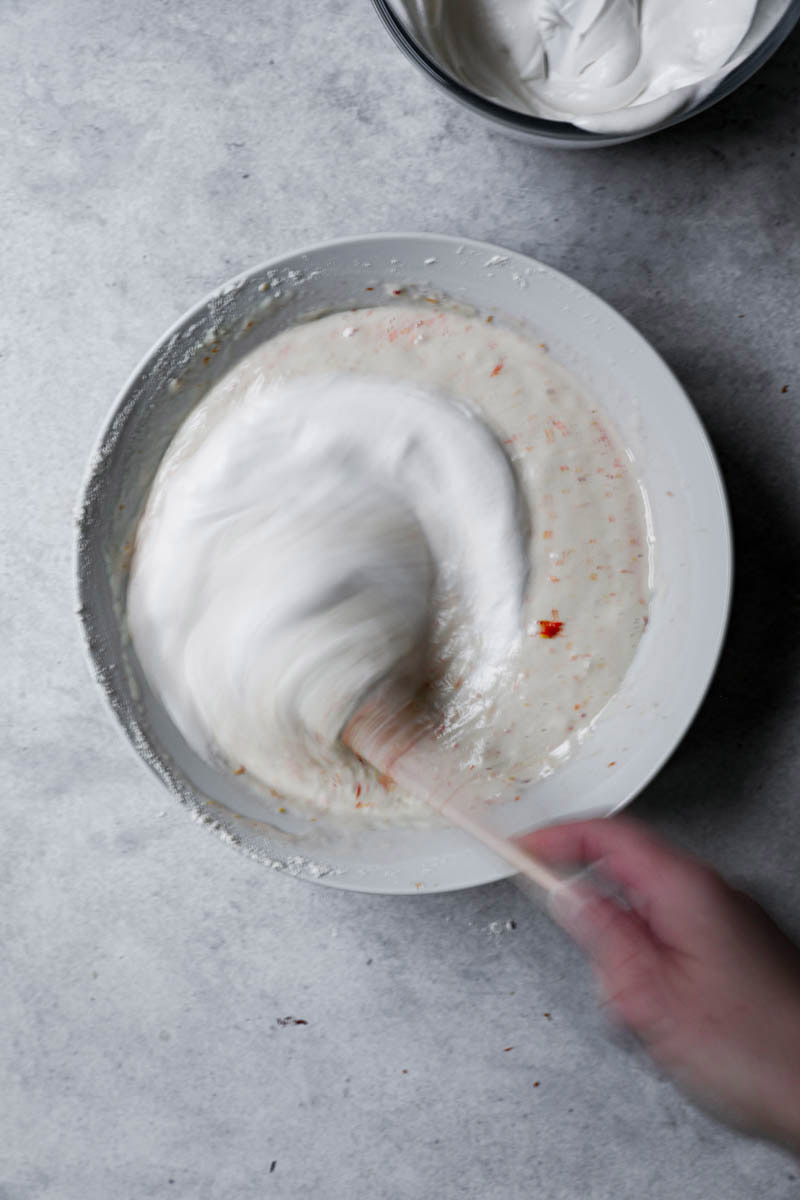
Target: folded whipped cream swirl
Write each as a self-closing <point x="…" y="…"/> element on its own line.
<point x="297" y="552"/>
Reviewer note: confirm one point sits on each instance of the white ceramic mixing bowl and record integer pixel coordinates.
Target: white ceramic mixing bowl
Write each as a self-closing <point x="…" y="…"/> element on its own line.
<point x="674" y="663"/>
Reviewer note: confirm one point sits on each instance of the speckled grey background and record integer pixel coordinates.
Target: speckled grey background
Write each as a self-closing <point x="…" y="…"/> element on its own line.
<point x="148" y="151"/>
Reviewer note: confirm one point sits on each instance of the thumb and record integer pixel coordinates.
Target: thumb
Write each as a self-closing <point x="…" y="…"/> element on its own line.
<point x="623" y="952"/>
<point x="608" y="932"/>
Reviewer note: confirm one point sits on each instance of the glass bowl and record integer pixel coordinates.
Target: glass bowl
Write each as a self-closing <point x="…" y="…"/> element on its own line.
<point x="560" y="133"/>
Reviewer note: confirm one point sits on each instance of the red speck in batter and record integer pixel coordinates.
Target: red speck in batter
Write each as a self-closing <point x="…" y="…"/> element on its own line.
<point x="550" y="629"/>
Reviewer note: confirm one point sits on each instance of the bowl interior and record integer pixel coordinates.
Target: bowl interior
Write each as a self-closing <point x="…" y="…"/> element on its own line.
<point x="686" y="505"/>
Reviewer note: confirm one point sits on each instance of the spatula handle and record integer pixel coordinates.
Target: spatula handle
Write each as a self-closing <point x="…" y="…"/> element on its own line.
<point x="400" y="745"/>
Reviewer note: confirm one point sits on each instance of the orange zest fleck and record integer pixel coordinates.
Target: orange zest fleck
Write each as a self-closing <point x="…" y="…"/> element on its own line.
<point x="239" y="771"/>
<point x="496" y="370"/>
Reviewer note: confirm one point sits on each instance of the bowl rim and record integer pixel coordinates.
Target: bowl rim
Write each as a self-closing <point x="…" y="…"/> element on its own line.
<point x="563" y="134"/>
<point x="137" y="738"/>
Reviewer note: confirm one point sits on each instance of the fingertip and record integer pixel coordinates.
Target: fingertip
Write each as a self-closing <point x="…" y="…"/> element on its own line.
<point x="566" y="841"/>
<point x="566" y="904"/>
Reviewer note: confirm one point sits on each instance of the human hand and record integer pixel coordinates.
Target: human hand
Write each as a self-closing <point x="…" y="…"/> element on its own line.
<point x="697" y="969"/>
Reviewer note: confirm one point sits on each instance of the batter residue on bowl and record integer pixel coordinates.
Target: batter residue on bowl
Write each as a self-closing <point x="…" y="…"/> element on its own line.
<point x="407" y="493"/>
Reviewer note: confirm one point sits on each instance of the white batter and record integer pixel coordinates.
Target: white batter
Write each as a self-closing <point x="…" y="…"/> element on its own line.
<point x="400" y="497"/>
<point x="612" y="66"/>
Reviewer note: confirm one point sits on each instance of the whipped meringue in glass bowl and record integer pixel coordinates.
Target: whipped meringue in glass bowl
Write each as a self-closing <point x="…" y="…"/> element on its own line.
<point x="585" y="73"/>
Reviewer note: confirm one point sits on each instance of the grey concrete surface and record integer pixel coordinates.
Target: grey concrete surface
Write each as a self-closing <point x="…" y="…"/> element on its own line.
<point x="149" y="151"/>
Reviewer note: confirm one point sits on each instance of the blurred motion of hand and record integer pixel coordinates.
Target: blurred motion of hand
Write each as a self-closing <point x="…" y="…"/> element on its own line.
<point x="695" y="968"/>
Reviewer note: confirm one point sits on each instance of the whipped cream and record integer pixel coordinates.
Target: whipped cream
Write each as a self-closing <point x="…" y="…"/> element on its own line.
<point x="398" y="497"/>
<point x="291" y="559"/>
<point x="611" y="66"/>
